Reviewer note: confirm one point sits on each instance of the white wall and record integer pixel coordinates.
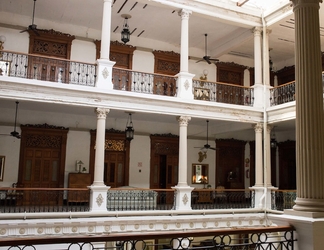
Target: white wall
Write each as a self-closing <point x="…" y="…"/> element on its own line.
<point x="77" y="148"/>
<point x="139" y="167"/>
<point x="10" y="148"/>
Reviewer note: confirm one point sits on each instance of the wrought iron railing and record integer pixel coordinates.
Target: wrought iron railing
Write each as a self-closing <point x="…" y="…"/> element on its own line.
<point x="222" y="92"/>
<point x="282" y="94"/>
<point x="222" y="198"/>
<point x="139" y="199"/>
<point x="37" y="200"/>
<point x="124" y="79"/>
<point x="283" y="199"/>
<point x="47" y="68"/>
<point x="275" y="237"/>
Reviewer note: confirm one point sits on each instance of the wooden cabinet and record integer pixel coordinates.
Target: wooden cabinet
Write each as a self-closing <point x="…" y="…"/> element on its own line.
<point x="79" y="181"/>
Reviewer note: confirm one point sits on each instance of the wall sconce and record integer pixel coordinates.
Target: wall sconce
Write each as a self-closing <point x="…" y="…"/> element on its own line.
<point x="2" y="41"/>
<point x="125" y="34"/>
<point x="129" y="131"/>
<point x="79" y="164"/>
<point x="204" y="76"/>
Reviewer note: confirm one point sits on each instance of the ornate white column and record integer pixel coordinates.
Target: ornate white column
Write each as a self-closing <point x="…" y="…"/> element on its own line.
<point x="267" y="161"/>
<point x="104" y="68"/>
<point x="183" y="191"/>
<point x="258" y="155"/>
<point x="309" y="108"/>
<point x="184" y="82"/>
<point x="98" y="195"/>
<point x="258" y="187"/>
<point x="258" y="86"/>
<point x="257" y="55"/>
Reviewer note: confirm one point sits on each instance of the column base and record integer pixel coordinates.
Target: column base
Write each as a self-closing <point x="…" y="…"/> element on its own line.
<point x="309" y="205"/>
<point x="104" y="74"/>
<point x="262" y="197"/>
<point x="184" y="84"/>
<point x="182" y="198"/>
<point x="98" y="198"/>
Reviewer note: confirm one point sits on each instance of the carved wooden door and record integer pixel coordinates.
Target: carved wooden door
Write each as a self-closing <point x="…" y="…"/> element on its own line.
<point x="42" y="163"/>
<point x="114" y="169"/>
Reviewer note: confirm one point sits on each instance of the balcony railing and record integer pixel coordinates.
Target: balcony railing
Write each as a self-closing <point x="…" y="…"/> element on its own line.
<point x="34" y="200"/>
<point x="274" y="237"/>
<point x="37" y="200"/>
<point x="282" y="94"/>
<point x="124" y="79"/>
<point x="47" y="68"/>
<point x="223" y="92"/>
<point x="139" y="199"/>
<point x="222" y="198"/>
<point x="283" y="199"/>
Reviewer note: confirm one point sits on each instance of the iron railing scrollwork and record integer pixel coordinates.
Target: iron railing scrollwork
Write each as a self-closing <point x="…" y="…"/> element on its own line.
<point x="282" y="94"/>
<point x="223" y="93"/>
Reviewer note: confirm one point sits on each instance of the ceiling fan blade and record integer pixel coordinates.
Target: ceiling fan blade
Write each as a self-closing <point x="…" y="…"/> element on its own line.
<point x="206" y="58"/>
<point x="23" y="31"/>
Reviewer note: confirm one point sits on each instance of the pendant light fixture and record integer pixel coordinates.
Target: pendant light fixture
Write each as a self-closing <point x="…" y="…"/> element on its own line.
<point x="125" y="34"/>
<point x="129" y="131"/>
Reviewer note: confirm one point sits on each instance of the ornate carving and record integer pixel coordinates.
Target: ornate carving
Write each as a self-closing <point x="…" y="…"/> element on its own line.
<point x="45" y="126"/>
<point x="166" y="148"/>
<point x="105" y="73"/>
<point x="166" y="66"/>
<point x="54" y="33"/>
<point x="115" y="145"/>
<point x="258" y="128"/>
<point x="166" y="135"/>
<point x="186" y="85"/>
<point x="185" y="199"/>
<point x="50" y="48"/>
<point x="231" y="64"/>
<point x="99" y="200"/>
<point x="102" y="112"/>
<point x="43" y="141"/>
<point x="183" y="120"/>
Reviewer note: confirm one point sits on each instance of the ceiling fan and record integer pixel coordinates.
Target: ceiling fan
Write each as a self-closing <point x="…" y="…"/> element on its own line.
<point x="206" y="146"/>
<point x="206" y="57"/>
<point x="15" y="133"/>
<point x="33" y="26"/>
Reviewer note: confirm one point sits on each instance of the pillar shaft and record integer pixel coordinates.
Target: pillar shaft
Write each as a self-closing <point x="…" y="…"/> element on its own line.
<point x="105" y="31"/>
<point x="257" y="56"/>
<point x="100" y="147"/>
<point x="184" y="54"/>
<point x="258" y="155"/>
<point x="309" y="107"/>
<point x="183" y="150"/>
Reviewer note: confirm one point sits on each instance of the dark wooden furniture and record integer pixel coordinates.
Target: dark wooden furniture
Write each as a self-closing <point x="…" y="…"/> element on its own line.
<point x="79" y="181"/>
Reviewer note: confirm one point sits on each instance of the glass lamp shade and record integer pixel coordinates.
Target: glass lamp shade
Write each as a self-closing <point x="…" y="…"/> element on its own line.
<point x="129" y="131"/>
<point x="125" y="35"/>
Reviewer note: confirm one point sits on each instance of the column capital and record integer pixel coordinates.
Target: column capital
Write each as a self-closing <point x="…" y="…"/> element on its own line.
<point x="297" y="3"/>
<point x="258" y="127"/>
<point x="183" y="120"/>
<point x="269" y="128"/>
<point x="257" y="31"/>
<point x="102" y="112"/>
<point x="184" y="13"/>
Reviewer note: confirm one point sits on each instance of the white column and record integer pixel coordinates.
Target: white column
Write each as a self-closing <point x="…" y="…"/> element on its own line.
<point x="104" y="68"/>
<point x="183" y="191"/>
<point x="258" y="155"/>
<point x="184" y="82"/>
<point x="266" y="58"/>
<point x="257" y="56"/>
<point x="98" y="197"/>
<point x="258" y="86"/>
<point x="309" y="108"/>
<point x="260" y="193"/>
<point x="267" y="162"/>
<point x="183" y="150"/>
